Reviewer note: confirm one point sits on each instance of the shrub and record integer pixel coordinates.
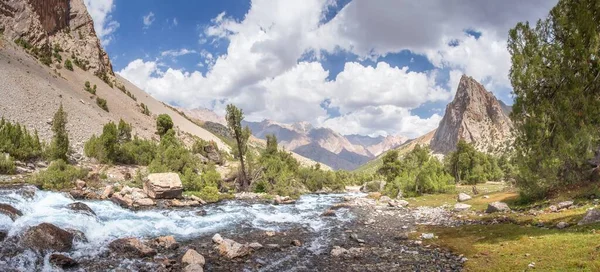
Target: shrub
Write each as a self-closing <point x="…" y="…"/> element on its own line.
<point x="145" y="109"/>
<point x="69" y="65"/>
<point x="7" y="165"/>
<point x="101" y="102"/>
<point x="209" y="194"/>
<point x="172" y="156"/>
<point x="59" y="176"/>
<point x="116" y="146"/>
<point x="18" y="142"/>
<point x="88" y="88"/>
<point x="163" y="124"/>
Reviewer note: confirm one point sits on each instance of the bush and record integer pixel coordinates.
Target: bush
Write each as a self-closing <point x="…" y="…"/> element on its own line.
<point x="145" y="109"/>
<point x="101" y="102"/>
<point x="209" y="194"/>
<point x="59" y="176"/>
<point x="18" y="142"/>
<point x="69" y="65"/>
<point x="88" y="88"/>
<point x="7" y="165"/>
<point x="163" y="124"/>
<point x="115" y="146"/>
<point x="172" y="156"/>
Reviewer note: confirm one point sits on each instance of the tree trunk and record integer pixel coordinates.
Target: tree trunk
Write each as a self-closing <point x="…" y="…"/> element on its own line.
<point x="243" y="178"/>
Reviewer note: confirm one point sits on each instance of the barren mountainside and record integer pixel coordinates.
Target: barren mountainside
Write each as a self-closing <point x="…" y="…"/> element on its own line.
<point x="474" y="115"/>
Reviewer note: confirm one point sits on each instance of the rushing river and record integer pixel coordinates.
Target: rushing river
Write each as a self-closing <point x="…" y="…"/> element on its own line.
<point x="114" y="222"/>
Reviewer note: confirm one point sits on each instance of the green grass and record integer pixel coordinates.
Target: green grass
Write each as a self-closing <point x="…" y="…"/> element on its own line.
<point x="496" y="191"/>
<point x="511" y="247"/>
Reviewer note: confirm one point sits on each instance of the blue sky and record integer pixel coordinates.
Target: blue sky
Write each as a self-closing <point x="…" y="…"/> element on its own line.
<point x="359" y="68"/>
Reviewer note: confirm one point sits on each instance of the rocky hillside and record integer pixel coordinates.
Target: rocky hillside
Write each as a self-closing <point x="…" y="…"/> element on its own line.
<point x="33" y="82"/>
<point x="474" y="115"/>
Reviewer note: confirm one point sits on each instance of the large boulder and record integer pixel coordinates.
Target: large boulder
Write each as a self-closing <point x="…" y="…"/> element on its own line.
<point x="163" y="185"/>
<point x="565" y="204"/>
<point x="123" y="201"/>
<point x="10" y="211"/>
<point x="230" y="248"/>
<point x="81" y="208"/>
<point x="131" y="247"/>
<point x="497" y="207"/>
<point x="592" y="216"/>
<point x="191" y="257"/>
<point x="47" y="237"/>
<point x="463" y="197"/>
<point x="167" y="242"/>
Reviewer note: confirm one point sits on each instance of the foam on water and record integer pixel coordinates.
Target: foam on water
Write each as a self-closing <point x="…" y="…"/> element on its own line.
<point x="114" y="222"/>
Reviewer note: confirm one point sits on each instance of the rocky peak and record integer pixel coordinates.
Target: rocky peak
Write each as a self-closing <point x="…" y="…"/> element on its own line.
<point x="55" y="22"/>
<point x="474" y="115"/>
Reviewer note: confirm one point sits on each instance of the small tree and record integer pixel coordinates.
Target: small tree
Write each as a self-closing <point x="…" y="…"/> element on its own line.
<point x="60" y="142"/>
<point x="271" y="144"/>
<point x="234" y="119"/>
<point x="163" y="124"/>
<point x="124" y="132"/>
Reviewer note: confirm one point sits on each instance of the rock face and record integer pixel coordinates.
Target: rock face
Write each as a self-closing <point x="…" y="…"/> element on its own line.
<point x="163" y="185"/>
<point x="47" y="237"/>
<point x="48" y="22"/>
<point x="474" y="115"/>
<point x="10" y="211"/>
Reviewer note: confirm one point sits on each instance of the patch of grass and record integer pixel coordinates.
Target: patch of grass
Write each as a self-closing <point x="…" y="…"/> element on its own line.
<point x="510" y="247"/>
<point x="496" y="191"/>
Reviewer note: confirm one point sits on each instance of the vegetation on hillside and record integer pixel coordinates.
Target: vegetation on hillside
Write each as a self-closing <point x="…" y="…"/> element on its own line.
<point x="18" y="142"/>
<point x="241" y="135"/>
<point x="59" y="147"/>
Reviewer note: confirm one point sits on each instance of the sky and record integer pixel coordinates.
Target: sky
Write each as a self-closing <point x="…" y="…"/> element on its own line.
<point x="369" y="67"/>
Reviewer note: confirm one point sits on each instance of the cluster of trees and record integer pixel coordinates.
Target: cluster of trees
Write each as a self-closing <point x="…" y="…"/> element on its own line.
<point x="555" y="76"/>
<point x="467" y="165"/>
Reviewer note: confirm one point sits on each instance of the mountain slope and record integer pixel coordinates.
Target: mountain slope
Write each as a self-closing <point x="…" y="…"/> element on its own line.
<point x="474" y="115"/>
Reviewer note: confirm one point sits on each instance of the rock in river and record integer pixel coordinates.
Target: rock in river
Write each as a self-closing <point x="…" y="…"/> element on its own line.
<point x="81" y="208"/>
<point x="47" y="237"/>
<point x="131" y="247"/>
<point x="163" y="185"/>
<point x="62" y="261"/>
<point x="10" y="211"/>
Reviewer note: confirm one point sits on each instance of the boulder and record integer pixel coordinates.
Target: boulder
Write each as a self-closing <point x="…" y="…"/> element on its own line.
<point x="62" y="261"/>
<point x="191" y="257"/>
<point x="232" y="249"/>
<point x="193" y="268"/>
<point x="10" y="211"/>
<point x="592" y="216"/>
<point x="338" y="251"/>
<point x="123" y="201"/>
<point x="167" y="242"/>
<point x="398" y="203"/>
<point x="163" y="185"/>
<point x="217" y="239"/>
<point x="131" y="247"/>
<point x="463" y="197"/>
<point x="283" y="200"/>
<point x="78" y="236"/>
<point x="80" y="184"/>
<point x="81" y="208"/>
<point x="565" y="204"/>
<point x="497" y="207"/>
<point x="47" y="237"/>
<point x="107" y="192"/>
<point x="459" y="207"/>
<point x="144" y="202"/>
<point x="328" y="213"/>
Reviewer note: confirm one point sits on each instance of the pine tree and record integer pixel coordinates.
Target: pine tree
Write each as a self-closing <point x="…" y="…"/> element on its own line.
<point x="60" y="141"/>
<point x="234" y="119"/>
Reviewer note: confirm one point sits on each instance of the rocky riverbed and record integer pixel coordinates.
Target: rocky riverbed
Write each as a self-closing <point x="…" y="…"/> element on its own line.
<point x="325" y="232"/>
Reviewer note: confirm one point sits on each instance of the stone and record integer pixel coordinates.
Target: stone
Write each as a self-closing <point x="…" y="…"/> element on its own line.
<point x="123" y="201"/>
<point x="561" y="225"/>
<point x="497" y="207"/>
<point x="217" y="238"/>
<point x="463" y="197"/>
<point x="459" y="207"/>
<point x="81" y="208"/>
<point x="296" y="243"/>
<point x="255" y="245"/>
<point x="338" y="251"/>
<point x="553" y="208"/>
<point x="328" y="213"/>
<point x="427" y="236"/>
<point x="10" y="211"/>
<point x="131" y="247"/>
<point x="144" y="202"/>
<point x="192" y="257"/>
<point x="592" y="216"/>
<point x="80" y="184"/>
<point x="78" y="236"/>
<point x="565" y="204"/>
<point x="272" y="246"/>
<point x="283" y="200"/>
<point x="232" y="249"/>
<point x="193" y="268"/>
<point x="398" y="203"/>
<point x="62" y="261"/>
<point x="107" y="192"/>
<point x="163" y="186"/>
<point x="166" y="242"/>
<point x="47" y="237"/>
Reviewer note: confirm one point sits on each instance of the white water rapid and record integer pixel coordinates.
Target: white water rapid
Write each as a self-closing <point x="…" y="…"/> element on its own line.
<point x="113" y="222"/>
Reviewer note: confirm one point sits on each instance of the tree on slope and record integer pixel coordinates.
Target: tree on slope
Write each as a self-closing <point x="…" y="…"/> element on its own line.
<point x="241" y="135"/>
<point x="555" y="75"/>
<point x="60" y="142"/>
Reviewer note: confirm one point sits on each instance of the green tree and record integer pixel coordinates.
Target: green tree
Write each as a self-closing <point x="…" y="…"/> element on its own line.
<point x="390" y="168"/>
<point x="241" y="135"/>
<point x="555" y="77"/>
<point x="163" y="124"/>
<point x="60" y="142"/>
<point x="124" y="132"/>
<point x="271" y="144"/>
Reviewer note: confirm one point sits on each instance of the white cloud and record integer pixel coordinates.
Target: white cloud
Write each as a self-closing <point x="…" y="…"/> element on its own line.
<point x="148" y="19"/>
<point x="175" y="23"/>
<point x="177" y="53"/>
<point x="262" y="73"/>
<point x="104" y="25"/>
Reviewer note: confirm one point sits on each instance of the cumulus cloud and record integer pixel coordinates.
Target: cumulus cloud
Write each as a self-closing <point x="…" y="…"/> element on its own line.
<point x="104" y="25"/>
<point x="265" y="70"/>
<point x="148" y="19"/>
